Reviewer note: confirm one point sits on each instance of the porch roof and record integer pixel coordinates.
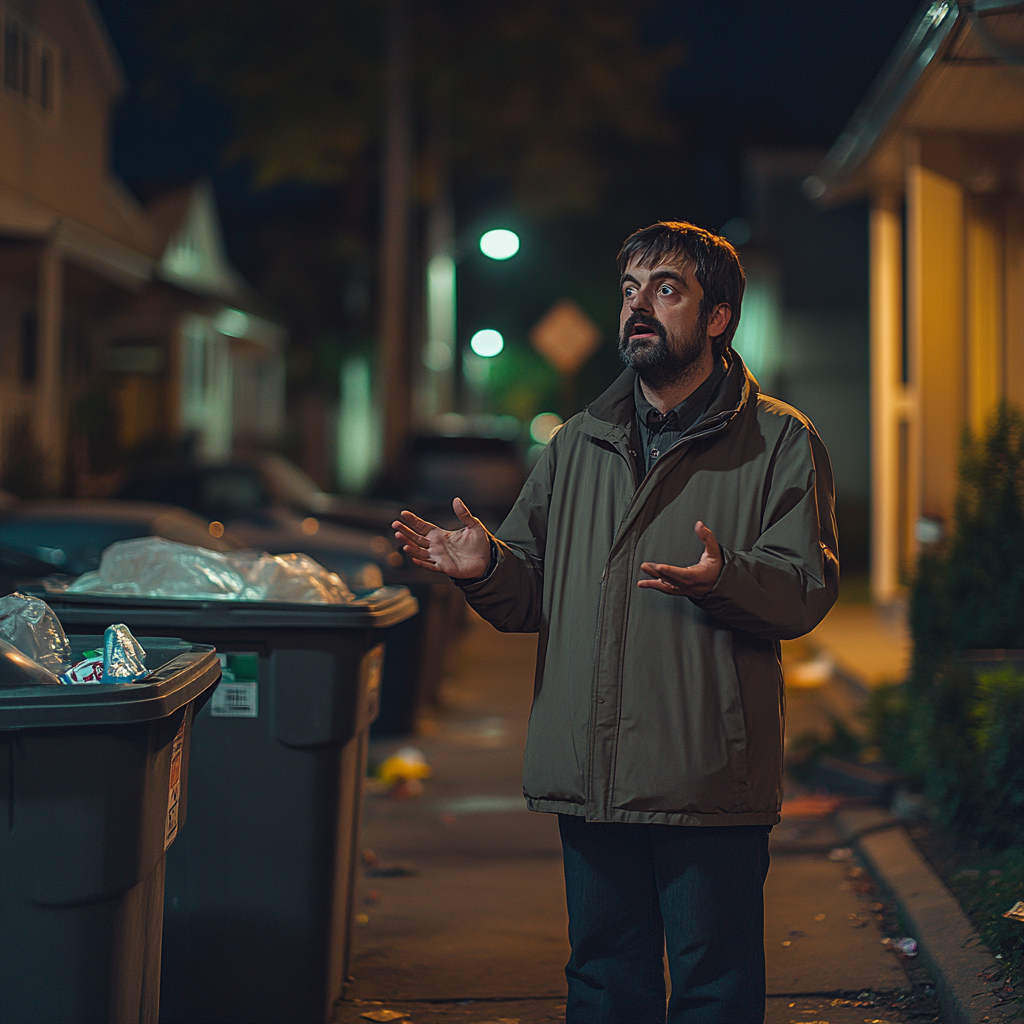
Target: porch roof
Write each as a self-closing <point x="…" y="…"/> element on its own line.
<point x="959" y="69"/>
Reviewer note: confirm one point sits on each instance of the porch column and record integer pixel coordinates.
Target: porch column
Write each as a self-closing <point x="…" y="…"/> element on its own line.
<point x="1013" y="296"/>
<point x="886" y="289"/>
<point x="986" y="217"/>
<point x="936" y="283"/>
<point x="48" y="412"/>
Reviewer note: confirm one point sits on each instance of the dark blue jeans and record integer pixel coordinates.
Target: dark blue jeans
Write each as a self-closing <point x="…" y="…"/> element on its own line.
<point x="635" y="890"/>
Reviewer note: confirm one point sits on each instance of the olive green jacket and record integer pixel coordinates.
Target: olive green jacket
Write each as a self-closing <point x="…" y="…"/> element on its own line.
<point x="648" y="707"/>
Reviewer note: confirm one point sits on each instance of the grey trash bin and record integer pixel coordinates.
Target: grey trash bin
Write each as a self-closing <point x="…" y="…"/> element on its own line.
<point x="258" y="910"/>
<point x="93" y="791"/>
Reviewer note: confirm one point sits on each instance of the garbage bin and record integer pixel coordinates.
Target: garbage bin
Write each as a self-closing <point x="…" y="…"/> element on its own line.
<point x="258" y="909"/>
<point x="93" y="784"/>
<point x="416" y="650"/>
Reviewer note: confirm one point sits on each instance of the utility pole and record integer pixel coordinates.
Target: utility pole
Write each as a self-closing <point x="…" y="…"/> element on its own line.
<point x="436" y="369"/>
<point x="393" y="290"/>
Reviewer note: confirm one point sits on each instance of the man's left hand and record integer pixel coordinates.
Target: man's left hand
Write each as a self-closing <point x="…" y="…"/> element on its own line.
<point x="693" y="580"/>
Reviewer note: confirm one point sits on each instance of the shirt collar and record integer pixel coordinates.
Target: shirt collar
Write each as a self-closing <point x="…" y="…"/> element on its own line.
<point x="690" y="408"/>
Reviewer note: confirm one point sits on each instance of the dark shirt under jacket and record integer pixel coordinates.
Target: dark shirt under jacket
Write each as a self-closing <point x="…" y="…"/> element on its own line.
<point x="657" y="433"/>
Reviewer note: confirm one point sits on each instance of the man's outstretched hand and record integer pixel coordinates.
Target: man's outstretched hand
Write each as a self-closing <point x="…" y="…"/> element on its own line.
<point x="694" y="580"/>
<point x="463" y="554"/>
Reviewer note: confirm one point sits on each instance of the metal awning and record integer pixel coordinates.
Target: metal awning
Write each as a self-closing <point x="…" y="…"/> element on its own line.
<point x="958" y="69"/>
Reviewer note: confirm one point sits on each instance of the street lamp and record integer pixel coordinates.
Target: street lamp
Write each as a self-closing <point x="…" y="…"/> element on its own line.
<point x="487" y="343"/>
<point x="438" y="387"/>
<point x="499" y="244"/>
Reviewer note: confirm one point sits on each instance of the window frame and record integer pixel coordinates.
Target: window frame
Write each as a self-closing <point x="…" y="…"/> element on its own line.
<point x="34" y="79"/>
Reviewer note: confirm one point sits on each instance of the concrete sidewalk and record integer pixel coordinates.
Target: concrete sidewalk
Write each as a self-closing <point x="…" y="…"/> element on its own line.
<point x="868" y="644"/>
<point x="466" y="921"/>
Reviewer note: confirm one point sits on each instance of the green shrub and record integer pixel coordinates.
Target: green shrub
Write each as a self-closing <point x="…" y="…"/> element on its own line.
<point x="998" y="736"/>
<point x="981" y="575"/>
<point x="958" y="734"/>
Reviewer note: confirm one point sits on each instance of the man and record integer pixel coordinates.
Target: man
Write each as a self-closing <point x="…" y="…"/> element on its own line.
<point x="669" y="537"/>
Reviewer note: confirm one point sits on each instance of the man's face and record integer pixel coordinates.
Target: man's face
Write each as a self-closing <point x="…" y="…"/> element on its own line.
<point x="661" y="332"/>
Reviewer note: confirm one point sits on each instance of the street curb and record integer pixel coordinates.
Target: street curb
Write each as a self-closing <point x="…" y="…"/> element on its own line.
<point x="947" y="942"/>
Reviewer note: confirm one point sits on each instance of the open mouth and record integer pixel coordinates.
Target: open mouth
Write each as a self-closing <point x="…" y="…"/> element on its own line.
<point x="642" y="331"/>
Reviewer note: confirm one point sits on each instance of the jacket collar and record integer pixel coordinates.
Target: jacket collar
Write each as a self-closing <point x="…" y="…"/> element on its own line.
<point x="610" y="416"/>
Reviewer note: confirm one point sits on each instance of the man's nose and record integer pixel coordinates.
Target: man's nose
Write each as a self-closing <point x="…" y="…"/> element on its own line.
<point x="641" y="301"/>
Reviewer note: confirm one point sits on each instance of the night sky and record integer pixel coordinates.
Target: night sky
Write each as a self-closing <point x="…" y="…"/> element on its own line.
<point x="788" y="72"/>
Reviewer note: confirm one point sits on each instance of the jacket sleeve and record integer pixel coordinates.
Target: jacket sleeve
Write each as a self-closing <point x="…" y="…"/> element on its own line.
<point x="511" y="597"/>
<point x="784" y="585"/>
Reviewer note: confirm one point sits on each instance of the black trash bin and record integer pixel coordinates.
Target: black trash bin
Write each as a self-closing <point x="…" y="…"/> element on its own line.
<point x="258" y="909"/>
<point x="93" y="784"/>
<point x="416" y="652"/>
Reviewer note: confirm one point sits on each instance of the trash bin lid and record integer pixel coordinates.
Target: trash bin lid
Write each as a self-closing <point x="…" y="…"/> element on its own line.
<point x="172" y="684"/>
<point x="372" y="609"/>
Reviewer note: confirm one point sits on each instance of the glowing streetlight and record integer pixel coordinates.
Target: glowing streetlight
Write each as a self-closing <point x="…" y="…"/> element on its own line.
<point x="499" y="244"/>
<point x="487" y="343"/>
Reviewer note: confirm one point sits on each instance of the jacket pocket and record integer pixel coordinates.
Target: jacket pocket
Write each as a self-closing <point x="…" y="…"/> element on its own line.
<point x="734" y="727"/>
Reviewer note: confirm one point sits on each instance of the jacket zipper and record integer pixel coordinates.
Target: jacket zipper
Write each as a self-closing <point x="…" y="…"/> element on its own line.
<point x="594" y="690"/>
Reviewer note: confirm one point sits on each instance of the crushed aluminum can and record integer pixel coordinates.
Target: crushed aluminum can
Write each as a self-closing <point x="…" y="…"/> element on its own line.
<point x="1016" y="912"/>
<point x="88" y="670"/>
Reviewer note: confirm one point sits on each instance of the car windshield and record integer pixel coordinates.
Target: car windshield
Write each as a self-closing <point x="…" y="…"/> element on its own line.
<point x="73" y="543"/>
<point x="70" y="545"/>
<point x="216" y="492"/>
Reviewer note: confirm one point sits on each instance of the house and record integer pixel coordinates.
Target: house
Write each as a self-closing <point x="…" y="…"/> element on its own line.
<point x="804" y="328"/>
<point x="122" y="328"/>
<point x="937" y="147"/>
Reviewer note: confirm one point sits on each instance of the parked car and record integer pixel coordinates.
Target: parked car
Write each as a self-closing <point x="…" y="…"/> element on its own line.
<point x="486" y="472"/>
<point x="68" y="537"/>
<point x="237" y="495"/>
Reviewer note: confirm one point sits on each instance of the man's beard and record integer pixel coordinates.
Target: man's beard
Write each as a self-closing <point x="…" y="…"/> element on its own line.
<point x="664" y="361"/>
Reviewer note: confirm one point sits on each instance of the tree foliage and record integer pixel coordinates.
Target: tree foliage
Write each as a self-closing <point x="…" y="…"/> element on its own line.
<point x="545" y="97"/>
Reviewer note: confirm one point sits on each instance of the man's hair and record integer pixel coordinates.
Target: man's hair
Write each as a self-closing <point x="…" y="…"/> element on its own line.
<point x="715" y="265"/>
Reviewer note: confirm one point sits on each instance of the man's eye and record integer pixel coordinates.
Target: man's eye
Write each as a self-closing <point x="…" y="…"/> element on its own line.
<point x="665" y="290"/>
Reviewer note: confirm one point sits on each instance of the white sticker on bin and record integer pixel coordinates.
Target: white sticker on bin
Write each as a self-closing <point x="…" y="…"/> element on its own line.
<point x="174" y="784"/>
<point x="237" y="695"/>
<point x="235" y="700"/>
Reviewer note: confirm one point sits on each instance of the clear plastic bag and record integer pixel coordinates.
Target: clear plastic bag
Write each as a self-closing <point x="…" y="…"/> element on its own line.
<point x="124" y="658"/>
<point x="31" y="626"/>
<point x="154" y="567"/>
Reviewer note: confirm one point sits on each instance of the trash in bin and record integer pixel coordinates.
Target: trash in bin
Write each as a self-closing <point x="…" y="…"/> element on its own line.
<point x="122" y="660"/>
<point x="29" y="625"/>
<point x="154" y="567"/>
<point x="88" y="670"/>
<point x="16" y="669"/>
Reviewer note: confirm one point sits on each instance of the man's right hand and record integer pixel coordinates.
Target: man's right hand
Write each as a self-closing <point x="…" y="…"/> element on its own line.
<point x="462" y="554"/>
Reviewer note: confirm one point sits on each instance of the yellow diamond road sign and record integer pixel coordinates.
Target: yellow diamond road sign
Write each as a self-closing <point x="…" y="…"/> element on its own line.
<point x="565" y="336"/>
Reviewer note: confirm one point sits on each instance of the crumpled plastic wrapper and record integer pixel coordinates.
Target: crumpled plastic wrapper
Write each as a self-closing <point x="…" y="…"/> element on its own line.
<point x="29" y="625"/>
<point x="154" y="567"/>
<point x="124" y="658"/>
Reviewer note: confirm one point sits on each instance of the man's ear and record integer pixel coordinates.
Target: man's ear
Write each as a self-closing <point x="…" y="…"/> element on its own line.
<point x="719" y="319"/>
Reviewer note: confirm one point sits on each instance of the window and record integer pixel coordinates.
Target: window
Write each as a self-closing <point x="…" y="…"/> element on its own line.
<point x="29" y="63"/>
